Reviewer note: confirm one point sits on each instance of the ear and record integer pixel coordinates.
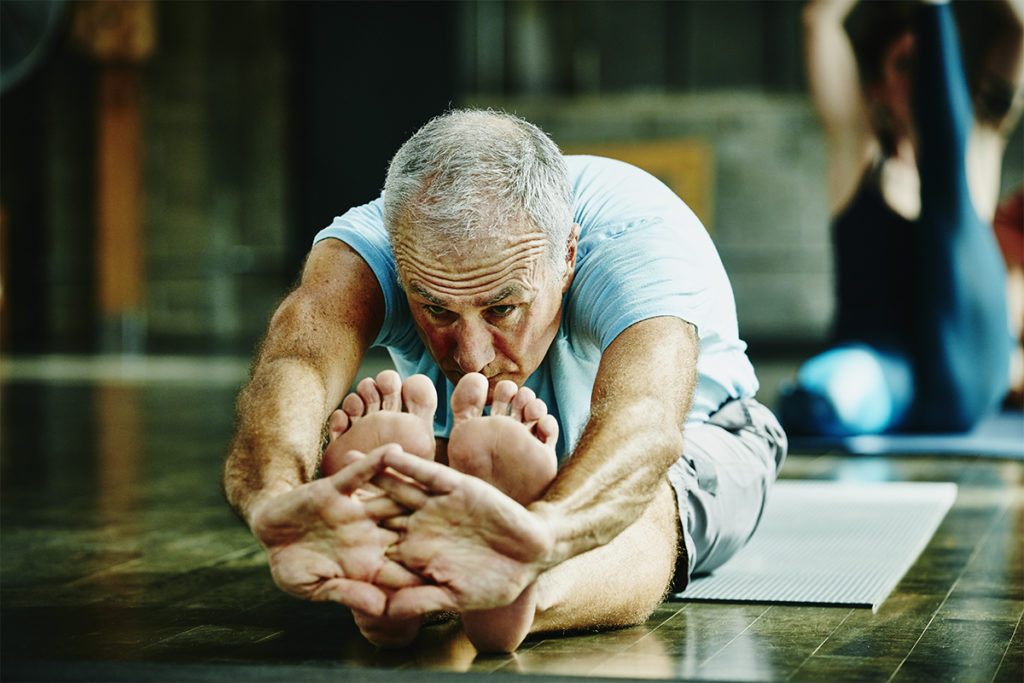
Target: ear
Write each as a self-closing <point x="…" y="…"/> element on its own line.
<point x="570" y="256"/>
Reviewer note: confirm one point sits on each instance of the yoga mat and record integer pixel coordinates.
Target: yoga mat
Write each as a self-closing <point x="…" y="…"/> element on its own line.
<point x="1001" y="435"/>
<point x="830" y="543"/>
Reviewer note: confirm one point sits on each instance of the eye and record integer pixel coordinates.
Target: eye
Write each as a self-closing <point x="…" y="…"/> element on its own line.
<point x="435" y="311"/>
<point x="501" y="311"/>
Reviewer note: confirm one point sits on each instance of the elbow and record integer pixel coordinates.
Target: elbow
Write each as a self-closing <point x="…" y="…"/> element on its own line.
<point x="670" y="443"/>
<point x="675" y="441"/>
<point x="819" y="12"/>
<point x="811" y="14"/>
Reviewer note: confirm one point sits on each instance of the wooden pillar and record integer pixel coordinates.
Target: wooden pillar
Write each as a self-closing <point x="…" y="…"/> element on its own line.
<point x="120" y="35"/>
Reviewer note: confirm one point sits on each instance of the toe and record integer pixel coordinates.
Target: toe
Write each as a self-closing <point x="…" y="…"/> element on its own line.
<point x="338" y="424"/>
<point x="504" y="392"/>
<point x="534" y="410"/>
<point x="368" y="391"/>
<point x="469" y="397"/>
<point x="420" y="397"/>
<point x="353" y="406"/>
<point x="546" y="430"/>
<point x="389" y="384"/>
<point x="522" y="399"/>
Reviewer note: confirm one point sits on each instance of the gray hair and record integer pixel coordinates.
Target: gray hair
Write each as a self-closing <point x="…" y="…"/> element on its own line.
<point x="469" y="174"/>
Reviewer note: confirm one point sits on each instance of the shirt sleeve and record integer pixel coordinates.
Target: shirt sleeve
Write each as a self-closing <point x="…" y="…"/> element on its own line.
<point x="643" y="254"/>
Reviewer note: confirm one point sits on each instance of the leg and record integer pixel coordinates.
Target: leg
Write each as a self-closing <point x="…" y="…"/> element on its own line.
<point x="713" y="502"/>
<point x="851" y="389"/>
<point x="513" y="450"/>
<point x="962" y="348"/>
<point x="370" y="417"/>
<point x="617" y="584"/>
<point x="723" y="478"/>
<point x="373" y="416"/>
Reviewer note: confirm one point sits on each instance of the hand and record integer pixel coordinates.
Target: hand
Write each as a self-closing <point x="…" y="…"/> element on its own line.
<point x="479" y="547"/>
<point x="323" y="539"/>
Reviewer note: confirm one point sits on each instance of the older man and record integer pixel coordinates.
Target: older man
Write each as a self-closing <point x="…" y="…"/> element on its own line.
<point x="597" y="441"/>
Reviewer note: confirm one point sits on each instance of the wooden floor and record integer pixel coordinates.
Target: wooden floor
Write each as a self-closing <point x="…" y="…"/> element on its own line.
<point x="120" y="561"/>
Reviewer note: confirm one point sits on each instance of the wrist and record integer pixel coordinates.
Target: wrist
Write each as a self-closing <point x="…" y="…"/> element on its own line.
<point x="553" y="549"/>
<point x="260" y="498"/>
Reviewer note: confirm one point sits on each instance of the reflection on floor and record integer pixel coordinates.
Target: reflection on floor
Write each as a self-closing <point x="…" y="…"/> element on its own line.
<point x="120" y="561"/>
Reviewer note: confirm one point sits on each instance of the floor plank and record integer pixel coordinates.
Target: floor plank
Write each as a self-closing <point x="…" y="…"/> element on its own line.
<point x="120" y="561"/>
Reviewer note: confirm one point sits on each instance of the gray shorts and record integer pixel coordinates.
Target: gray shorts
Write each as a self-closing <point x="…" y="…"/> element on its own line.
<point x="721" y="482"/>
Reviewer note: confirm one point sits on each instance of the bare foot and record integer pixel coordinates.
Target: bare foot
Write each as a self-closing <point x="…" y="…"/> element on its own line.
<point x="373" y="415"/>
<point x="513" y="449"/>
<point x="385" y="632"/>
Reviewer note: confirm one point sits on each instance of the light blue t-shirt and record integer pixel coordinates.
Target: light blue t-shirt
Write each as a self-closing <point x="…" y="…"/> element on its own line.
<point x="642" y="253"/>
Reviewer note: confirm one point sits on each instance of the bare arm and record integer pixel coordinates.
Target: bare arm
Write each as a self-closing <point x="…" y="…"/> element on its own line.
<point x="307" y="361"/>
<point x="641" y="396"/>
<point x="1000" y="93"/>
<point x="835" y="89"/>
<point x="998" y="99"/>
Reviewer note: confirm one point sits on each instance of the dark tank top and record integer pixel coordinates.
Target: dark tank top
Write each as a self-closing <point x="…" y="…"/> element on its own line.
<point x="874" y="269"/>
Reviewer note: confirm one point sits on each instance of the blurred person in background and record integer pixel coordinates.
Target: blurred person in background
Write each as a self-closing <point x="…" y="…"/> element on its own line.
<point x="915" y="150"/>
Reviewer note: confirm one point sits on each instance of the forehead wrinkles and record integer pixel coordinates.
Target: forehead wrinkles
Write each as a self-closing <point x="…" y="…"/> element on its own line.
<point x="476" y="272"/>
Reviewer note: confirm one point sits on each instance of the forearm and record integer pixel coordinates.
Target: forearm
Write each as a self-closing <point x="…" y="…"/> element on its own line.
<point x="641" y="397"/>
<point x="828" y="56"/>
<point x="610" y="485"/>
<point x="312" y="351"/>
<point x="836" y="92"/>
<point x="278" y="434"/>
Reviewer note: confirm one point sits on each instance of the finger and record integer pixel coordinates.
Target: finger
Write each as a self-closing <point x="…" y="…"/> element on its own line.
<point x="396" y="523"/>
<point x="435" y="477"/>
<point x="355" y="594"/>
<point x="382" y="508"/>
<point x="341" y="459"/>
<point x="394" y="575"/>
<point x="367" y="492"/>
<point x="408" y="494"/>
<point x="385" y="632"/>
<point x="418" y="600"/>
<point x="362" y="469"/>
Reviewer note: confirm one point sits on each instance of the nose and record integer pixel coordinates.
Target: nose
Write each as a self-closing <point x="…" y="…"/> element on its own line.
<point x="474" y="346"/>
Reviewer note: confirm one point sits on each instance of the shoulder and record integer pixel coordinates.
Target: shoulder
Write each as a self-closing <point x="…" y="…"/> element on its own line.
<point x="367" y="219"/>
<point x="610" y="195"/>
<point x="585" y="171"/>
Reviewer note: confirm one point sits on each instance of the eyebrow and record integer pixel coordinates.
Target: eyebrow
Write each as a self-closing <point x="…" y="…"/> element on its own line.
<point x="510" y="290"/>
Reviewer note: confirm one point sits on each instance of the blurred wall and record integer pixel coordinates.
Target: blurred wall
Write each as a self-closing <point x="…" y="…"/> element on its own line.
<point x="262" y="120"/>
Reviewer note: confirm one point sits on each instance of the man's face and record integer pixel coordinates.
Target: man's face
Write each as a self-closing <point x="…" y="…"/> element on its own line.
<point x="494" y="308"/>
